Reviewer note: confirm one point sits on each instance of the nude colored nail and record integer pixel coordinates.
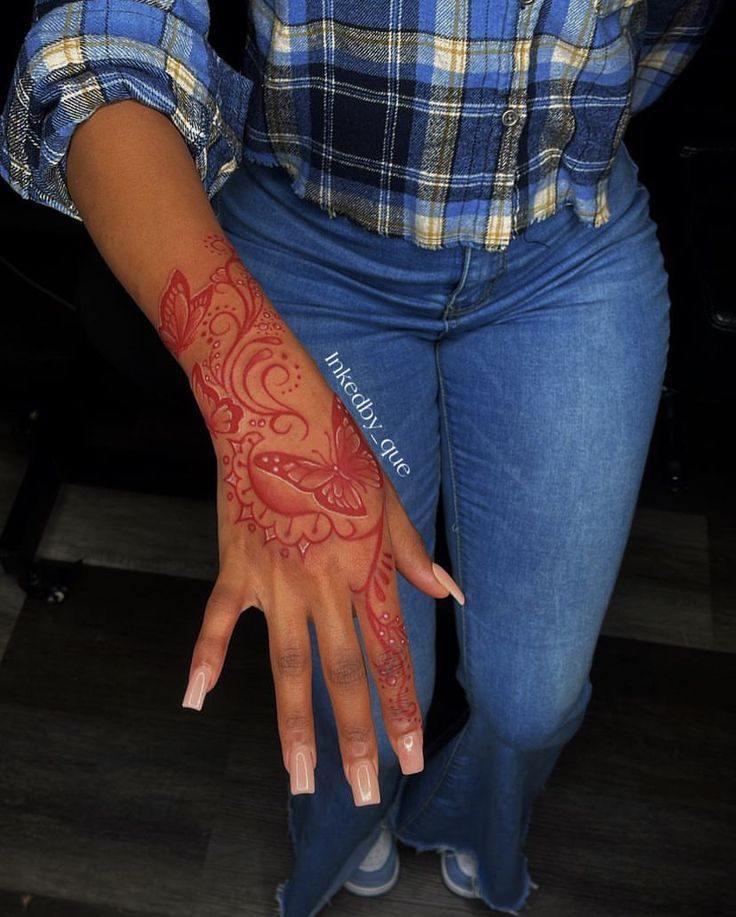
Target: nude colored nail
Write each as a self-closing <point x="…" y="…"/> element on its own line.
<point x="443" y="577"/>
<point x="409" y="749"/>
<point x="197" y="688"/>
<point x="364" y="782"/>
<point x="301" y="770"/>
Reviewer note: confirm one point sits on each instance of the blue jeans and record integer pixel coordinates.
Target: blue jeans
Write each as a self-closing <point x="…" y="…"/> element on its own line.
<point x="521" y="388"/>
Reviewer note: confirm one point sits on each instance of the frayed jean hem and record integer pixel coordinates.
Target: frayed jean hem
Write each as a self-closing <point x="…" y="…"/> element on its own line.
<point x="440" y="847"/>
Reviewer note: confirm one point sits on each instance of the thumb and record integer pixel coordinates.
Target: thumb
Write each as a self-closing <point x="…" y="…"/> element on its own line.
<point x="411" y="557"/>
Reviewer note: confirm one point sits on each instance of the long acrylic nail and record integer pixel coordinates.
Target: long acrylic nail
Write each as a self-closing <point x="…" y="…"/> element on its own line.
<point x="409" y="750"/>
<point x="444" y="578"/>
<point x="364" y="781"/>
<point x="197" y="688"/>
<point x="301" y="770"/>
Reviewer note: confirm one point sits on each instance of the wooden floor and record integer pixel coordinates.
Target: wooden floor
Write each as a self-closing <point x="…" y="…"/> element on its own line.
<point x="115" y="801"/>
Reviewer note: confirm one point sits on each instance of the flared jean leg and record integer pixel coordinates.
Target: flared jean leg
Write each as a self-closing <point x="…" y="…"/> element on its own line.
<point x="549" y="391"/>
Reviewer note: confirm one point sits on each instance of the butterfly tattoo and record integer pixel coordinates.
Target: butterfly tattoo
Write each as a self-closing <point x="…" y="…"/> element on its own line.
<point x="182" y="313"/>
<point x="335" y="485"/>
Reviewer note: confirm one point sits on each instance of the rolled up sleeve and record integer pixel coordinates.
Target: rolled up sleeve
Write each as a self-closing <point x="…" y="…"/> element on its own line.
<point x="80" y="56"/>
<point x="673" y="34"/>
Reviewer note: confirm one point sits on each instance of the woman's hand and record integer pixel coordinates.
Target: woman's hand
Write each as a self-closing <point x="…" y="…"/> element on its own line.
<point x="309" y="529"/>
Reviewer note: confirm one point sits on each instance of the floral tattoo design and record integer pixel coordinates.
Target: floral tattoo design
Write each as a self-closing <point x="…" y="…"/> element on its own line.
<point x="295" y="484"/>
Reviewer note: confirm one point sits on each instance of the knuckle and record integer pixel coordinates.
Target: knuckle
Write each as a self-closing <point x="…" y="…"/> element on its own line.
<point x="392" y="668"/>
<point x="346" y="671"/>
<point x="291" y="662"/>
<point x="355" y="735"/>
<point x="357" y="741"/>
<point x="401" y="710"/>
<point x="294" y="722"/>
<point x="211" y="646"/>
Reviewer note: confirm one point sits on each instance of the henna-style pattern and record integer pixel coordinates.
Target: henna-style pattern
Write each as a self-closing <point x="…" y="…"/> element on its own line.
<point x="296" y="495"/>
<point x="392" y="665"/>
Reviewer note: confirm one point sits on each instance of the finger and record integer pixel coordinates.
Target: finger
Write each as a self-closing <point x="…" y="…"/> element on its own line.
<point x="410" y="555"/>
<point x="387" y="647"/>
<point x="291" y="665"/>
<point x="224" y="607"/>
<point x="347" y="683"/>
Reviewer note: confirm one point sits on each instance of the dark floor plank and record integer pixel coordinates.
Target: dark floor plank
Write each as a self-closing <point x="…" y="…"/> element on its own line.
<point x="13" y="904"/>
<point x="641" y="809"/>
<point x="115" y="800"/>
<point x="107" y="785"/>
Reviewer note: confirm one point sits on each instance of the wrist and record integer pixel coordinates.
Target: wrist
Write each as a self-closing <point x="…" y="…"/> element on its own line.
<point x="245" y="368"/>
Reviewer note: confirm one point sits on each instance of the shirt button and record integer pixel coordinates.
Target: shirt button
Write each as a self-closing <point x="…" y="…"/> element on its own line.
<point x="510" y="117"/>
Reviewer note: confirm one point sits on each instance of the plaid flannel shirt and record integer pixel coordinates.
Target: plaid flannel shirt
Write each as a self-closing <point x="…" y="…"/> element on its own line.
<point x="441" y="122"/>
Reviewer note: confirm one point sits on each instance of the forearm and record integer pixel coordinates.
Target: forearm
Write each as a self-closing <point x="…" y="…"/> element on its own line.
<point x="137" y="189"/>
<point x="140" y="196"/>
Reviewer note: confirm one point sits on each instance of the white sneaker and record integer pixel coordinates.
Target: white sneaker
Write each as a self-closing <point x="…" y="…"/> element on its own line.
<point x="379" y="871"/>
<point x="459" y="873"/>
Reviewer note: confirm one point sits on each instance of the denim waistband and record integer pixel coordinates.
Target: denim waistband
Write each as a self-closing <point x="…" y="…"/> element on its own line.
<point x="276" y="183"/>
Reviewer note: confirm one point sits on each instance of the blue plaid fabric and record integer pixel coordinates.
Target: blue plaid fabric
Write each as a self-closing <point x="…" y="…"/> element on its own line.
<point x="444" y="122"/>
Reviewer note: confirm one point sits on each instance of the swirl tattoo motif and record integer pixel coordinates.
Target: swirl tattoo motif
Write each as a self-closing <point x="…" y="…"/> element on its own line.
<point x="296" y="484"/>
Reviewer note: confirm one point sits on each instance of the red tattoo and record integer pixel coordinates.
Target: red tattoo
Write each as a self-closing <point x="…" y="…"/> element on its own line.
<point x="181" y="313"/>
<point x="277" y="476"/>
<point x="393" y="664"/>
<point x="334" y="484"/>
